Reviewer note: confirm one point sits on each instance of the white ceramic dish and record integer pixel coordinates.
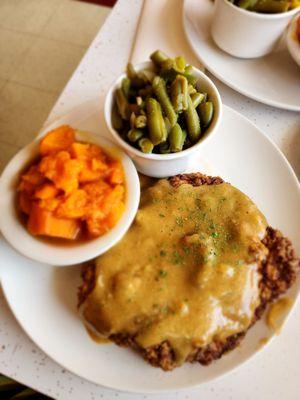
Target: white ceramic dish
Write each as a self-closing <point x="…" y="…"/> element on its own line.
<point x="273" y="79"/>
<point x="292" y="42"/>
<point x="161" y="165"/>
<point x="49" y="252"/>
<point x="247" y="34"/>
<point x="50" y="318"/>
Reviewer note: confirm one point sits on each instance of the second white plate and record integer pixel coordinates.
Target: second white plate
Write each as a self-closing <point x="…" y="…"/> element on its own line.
<point x="43" y="298"/>
<point x="273" y="79"/>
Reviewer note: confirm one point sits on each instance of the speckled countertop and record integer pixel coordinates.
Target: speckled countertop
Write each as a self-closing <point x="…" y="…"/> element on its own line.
<point x="272" y="374"/>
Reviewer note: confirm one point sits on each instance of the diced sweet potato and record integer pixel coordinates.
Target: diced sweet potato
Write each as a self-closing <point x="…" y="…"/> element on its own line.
<point x="73" y="184"/>
<point x="87" y="173"/>
<point x="96" y="190"/>
<point x="116" y="173"/>
<point x="98" y="165"/>
<point x="61" y="170"/>
<point x="43" y="222"/>
<point x="46" y="191"/>
<point x="96" y="227"/>
<point x="99" y="226"/>
<point x="85" y="151"/>
<point x="49" y="204"/>
<point x="24" y="202"/>
<point x="112" y="198"/>
<point x="114" y="216"/>
<point x="57" y="140"/>
<point x="31" y="179"/>
<point x="73" y="206"/>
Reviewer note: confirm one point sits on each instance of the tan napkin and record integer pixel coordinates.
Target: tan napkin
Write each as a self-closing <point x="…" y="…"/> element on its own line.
<point x="160" y="27"/>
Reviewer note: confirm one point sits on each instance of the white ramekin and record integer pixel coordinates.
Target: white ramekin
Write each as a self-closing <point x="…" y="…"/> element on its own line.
<point x="163" y="165"/>
<point x="247" y="34"/>
<point x="49" y="252"/>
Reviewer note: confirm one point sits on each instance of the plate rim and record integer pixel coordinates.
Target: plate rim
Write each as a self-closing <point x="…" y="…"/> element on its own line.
<point x="181" y="387"/>
<point x="211" y="69"/>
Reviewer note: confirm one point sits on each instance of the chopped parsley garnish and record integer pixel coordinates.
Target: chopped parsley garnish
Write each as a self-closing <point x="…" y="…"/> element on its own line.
<point x="186" y="249"/>
<point x="162" y="273"/>
<point x="177" y="258"/>
<point x="179" y="221"/>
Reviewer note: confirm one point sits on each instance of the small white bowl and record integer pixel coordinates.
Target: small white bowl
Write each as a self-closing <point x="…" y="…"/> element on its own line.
<point x="292" y="41"/>
<point x="59" y="254"/>
<point x="163" y="165"/>
<point x="247" y="34"/>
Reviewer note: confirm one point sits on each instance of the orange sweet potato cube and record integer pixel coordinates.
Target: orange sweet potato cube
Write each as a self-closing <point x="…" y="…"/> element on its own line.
<point x="73" y="206"/>
<point x="62" y="170"/>
<point x="46" y="191"/>
<point x="31" y="179"/>
<point x="57" y="140"/>
<point x="116" y="173"/>
<point x="43" y="222"/>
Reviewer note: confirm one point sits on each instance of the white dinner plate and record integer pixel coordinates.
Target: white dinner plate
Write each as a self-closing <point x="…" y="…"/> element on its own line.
<point x="273" y="79"/>
<point x="43" y="298"/>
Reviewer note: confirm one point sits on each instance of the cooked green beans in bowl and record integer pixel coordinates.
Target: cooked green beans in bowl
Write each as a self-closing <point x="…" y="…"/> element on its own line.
<point x="267" y="6"/>
<point x="161" y="109"/>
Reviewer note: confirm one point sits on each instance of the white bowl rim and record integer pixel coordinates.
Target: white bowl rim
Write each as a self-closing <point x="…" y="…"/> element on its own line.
<point x="163" y="157"/>
<point x="257" y="15"/>
<point x="74" y="254"/>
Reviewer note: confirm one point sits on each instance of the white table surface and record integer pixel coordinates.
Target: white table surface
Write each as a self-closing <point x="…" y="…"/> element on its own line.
<point x="272" y="374"/>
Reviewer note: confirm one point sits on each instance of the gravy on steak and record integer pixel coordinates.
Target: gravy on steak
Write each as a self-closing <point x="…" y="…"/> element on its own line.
<point x="185" y="272"/>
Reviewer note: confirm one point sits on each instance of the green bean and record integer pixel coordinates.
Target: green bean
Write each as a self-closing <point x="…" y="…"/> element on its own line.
<point x="160" y="90"/>
<point x="134" y="135"/>
<point x="147" y="75"/>
<point x="192" y="121"/>
<point x="191" y="78"/>
<point x="191" y="89"/>
<point x="271" y="6"/>
<point x="158" y="57"/>
<point x="180" y="63"/>
<point x="156" y="125"/>
<point x="146" y="145"/>
<point x="116" y="120"/>
<point x="206" y="111"/>
<point x="141" y="121"/>
<point x="246" y="4"/>
<point x="188" y="69"/>
<point x="137" y="81"/>
<point x="169" y="71"/>
<point x="132" y="120"/>
<point x="179" y="93"/>
<point x="167" y="125"/>
<point x="122" y="103"/>
<point x="188" y="73"/>
<point x="131" y="73"/>
<point x="126" y="86"/>
<point x="197" y="98"/>
<point x="164" y="148"/>
<point x="176" y="138"/>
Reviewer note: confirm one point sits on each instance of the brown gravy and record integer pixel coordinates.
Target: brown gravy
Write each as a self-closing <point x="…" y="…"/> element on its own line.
<point x="186" y="271"/>
<point x="96" y="337"/>
<point x="276" y="313"/>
